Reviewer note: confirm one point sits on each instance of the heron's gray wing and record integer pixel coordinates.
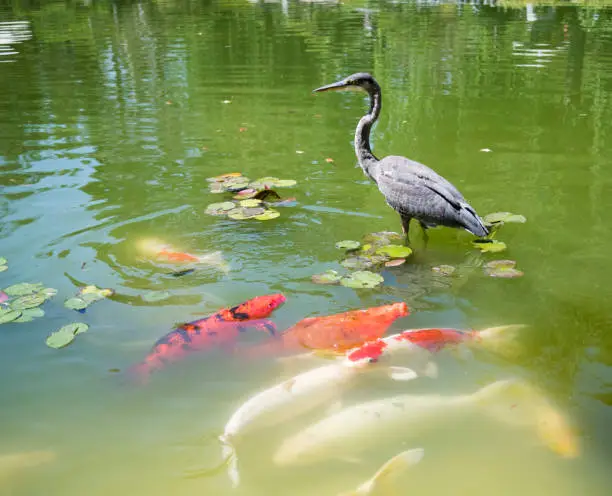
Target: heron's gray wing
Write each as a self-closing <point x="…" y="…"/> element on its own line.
<point x="414" y="190"/>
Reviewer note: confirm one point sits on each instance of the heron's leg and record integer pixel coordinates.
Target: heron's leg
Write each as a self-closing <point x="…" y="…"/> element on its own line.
<point x="406" y="228"/>
<point x="425" y="235"/>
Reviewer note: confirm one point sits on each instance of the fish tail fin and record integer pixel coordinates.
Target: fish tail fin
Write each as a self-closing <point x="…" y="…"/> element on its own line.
<point x="229" y="454"/>
<point x="391" y="469"/>
<point x="139" y="373"/>
<point x="501" y="340"/>
<point x="215" y="259"/>
<point x="518" y="403"/>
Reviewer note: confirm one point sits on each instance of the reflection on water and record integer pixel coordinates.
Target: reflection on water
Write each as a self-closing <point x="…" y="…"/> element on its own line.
<point x="114" y="115"/>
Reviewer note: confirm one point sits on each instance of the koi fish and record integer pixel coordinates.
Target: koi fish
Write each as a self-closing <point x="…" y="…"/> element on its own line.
<point x="413" y="342"/>
<point x="390" y="469"/>
<point x="167" y="253"/>
<point x="346" y="433"/>
<point x="419" y="344"/>
<point x="293" y="397"/>
<point x="221" y="329"/>
<point x="340" y="332"/>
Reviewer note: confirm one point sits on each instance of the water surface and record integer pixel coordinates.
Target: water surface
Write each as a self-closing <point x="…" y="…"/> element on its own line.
<point x="113" y="116"/>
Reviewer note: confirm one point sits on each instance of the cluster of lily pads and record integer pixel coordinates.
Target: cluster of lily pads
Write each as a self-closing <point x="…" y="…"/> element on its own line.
<point x="376" y="250"/>
<point x="252" y="199"/>
<point x="21" y="303"/>
<point x="498" y="268"/>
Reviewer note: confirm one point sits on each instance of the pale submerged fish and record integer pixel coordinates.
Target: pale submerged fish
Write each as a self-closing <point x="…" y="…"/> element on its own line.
<point x="386" y="474"/>
<point x="352" y="430"/>
<point x="296" y="396"/>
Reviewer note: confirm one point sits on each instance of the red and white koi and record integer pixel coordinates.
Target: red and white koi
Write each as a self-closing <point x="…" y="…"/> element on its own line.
<point x="352" y="430"/>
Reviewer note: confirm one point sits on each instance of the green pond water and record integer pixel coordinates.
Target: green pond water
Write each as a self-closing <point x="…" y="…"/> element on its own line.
<point x="113" y="116"/>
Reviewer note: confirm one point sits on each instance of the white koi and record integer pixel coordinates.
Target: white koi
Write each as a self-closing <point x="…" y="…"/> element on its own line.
<point x="295" y="396"/>
<point x="385" y="474"/>
<point x="350" y="431"/>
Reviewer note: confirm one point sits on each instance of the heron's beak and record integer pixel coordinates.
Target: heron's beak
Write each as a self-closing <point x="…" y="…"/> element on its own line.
<point x="338" y="86"/>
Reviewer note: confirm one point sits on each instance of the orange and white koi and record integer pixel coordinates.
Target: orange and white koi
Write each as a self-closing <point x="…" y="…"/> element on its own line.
<point x="221" y="329"/>
<point x="339" y="332"/>
<point x="352" y="431"/>
<point x="164" y="252"/>
<point x="293" y="397"/>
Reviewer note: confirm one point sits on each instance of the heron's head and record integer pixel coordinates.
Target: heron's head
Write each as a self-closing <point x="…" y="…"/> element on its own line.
<point x="355" y="82"/>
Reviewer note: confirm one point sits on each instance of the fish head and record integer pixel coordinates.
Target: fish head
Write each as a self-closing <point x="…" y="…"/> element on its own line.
<point x="260" y="307"/>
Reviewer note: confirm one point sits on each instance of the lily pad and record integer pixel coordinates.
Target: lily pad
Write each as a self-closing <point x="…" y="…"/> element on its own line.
<point x="250" y="203"/>
<point x="489" y="245"/>
<point x="3" y="268"/>
<point x="76" y="303"/>
<point x="268" y="215"/>
<point x="48" y="292"/>
<point x="285" y="183"/>
<point x="357" y="263"/>
<point x="327" y="277"/>
<point x="3" y="261"/>
<point x="24" y="288"/>
<point x="445" y="270"/>
<point x="504" y="217"/>
<point x="9" y="315"/>
<point x="30" y="314"/>
<point x="362" y="279"/>
<point x="394" y="251"/>
<point x="502" y="268"/>
<point x="395" y="262"/>
<point x="219" y="208"/>
<point x="66" y="335"/>
<point x="27" y="301"/>
<point x="154" y="296"/>
<point x="348" y="244"/>
<point x="245" y="193"/>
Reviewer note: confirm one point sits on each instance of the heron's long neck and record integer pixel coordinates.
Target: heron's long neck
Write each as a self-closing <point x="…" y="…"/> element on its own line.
<point x="362" y="134"/>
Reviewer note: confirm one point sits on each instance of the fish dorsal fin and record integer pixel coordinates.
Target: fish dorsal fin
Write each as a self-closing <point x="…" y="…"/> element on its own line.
<point x="391" y="469"/>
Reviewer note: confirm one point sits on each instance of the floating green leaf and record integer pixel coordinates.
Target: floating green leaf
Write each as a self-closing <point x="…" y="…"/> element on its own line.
<point x="504" y="217"/>
<point x="245" y="193"/>
<point x="268" y="215"/>
<point x="237" y="214"/>
<point x="445" y="270"/>
<point x="395" y="262"/>
<point x="30" y="314"/>
<point x="327" y="277"/>
<point x="357" y="263"/>
<point x="362" y="279"/>
<point x="285" y="183"/>
<point x="3" y="268"/>
<point x="502" y="268"/>
<point x="489" y="245"/>
<point x="24" y="288"/>
<point x="250" y="203"/>
<point x="394" y="251"/>
<point x="27" y="301"/>
<point x="48" y="292"/>
<point x="348" y="244"/>
<point x="3" y="261"/>
<point x="154" y="296"/>
<point x="76" y="303"/>
<point x="9" y="315"/>
<point x="65" y="335"/>
<point x="219" y="208"/>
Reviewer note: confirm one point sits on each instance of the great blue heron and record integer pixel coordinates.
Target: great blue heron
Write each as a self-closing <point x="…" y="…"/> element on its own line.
<point x="412" y="189"/>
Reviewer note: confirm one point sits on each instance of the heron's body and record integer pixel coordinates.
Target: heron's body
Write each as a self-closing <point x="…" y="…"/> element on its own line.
<point x="412" y="189"/>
